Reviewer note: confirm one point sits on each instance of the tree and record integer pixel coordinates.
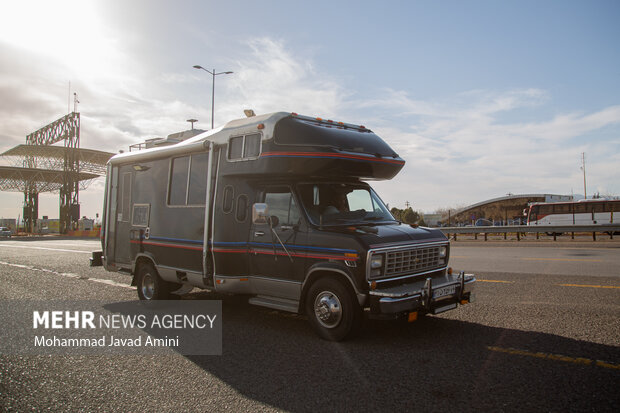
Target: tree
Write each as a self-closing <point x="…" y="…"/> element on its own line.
<point x="397" y="213"/>
<point x="410" y="216"/>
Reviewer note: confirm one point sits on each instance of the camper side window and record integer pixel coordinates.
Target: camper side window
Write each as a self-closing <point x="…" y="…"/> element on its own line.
<point x="235" y="148"/>
<point x="244" y="147"/>
<point x="198" y="179"/>
<point x="188" y="180"/>
<point x="251" y="146"/>
<point x="177" y="194"/>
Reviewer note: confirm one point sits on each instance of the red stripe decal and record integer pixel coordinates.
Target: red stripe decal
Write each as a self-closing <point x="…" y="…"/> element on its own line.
<point x="282" y="253"/>
<point x="333" y="155"/>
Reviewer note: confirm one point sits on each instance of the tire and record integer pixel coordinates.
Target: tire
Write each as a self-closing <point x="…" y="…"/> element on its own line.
<point x="150" y="285"/>
<point x="332" y="309"/>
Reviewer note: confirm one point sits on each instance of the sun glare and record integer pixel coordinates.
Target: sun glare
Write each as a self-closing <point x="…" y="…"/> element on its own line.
<point x="69" y="30"/>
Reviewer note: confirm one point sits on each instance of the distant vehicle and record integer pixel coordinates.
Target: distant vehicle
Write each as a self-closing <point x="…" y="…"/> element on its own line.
<point x="481" y="222"/>
<point x="585" y="212"/>
<point x="5" y="232"/>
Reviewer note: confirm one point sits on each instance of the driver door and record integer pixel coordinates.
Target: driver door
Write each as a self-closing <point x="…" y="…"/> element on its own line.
<point x="277" y="255"/>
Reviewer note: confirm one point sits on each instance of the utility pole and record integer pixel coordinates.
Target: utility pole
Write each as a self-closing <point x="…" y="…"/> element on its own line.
<point x="583" y="168"/>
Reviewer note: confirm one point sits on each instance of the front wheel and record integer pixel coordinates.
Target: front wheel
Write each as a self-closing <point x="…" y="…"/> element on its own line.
<point x="332" y="309"/>
<point x="150" y="285"/>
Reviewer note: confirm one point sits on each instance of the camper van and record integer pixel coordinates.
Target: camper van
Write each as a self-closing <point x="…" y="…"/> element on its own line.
<point x="276" y="207"/>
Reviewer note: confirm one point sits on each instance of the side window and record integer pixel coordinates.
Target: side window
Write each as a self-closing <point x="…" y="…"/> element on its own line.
<point x="235" y="148"/>
<point x="198" y="179"/>
<point x="360" y="199"/>
<point x="251" y="147"/>
<point x="126" y="197"/>
<point x="282" y="204"/>
<point x="546" y="209"/>
<point x="177" y="194"/>
<point x="244" y="147"/>
<point x="242" y="208"/>
<point x="294" y="215"/>
<point x="188" y="180"/>
<point x="227" y="203"/>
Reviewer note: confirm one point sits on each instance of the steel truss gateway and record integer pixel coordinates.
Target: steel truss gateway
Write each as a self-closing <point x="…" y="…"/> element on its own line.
<point x="38" y="166"/>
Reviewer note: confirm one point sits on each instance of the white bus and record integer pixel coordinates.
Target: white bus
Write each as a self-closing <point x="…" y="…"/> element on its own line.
<point x="584" y="212"/>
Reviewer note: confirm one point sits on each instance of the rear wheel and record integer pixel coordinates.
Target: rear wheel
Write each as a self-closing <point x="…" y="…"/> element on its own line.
<point x="150" y="285"/>
<point x="333" y="310"/>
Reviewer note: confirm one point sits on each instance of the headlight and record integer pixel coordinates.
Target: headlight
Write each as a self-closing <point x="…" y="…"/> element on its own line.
<point x="443" y="254"/>
<point x="443" y="251"/>
<point x="376" y="266"/>
<point x="376" y="262"/>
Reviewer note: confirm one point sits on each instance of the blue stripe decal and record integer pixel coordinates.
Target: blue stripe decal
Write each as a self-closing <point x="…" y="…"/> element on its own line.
<point x="242" y="244"/>
<point x="190" y="241"/>
<point x="306" y="247"/>
<point x="270" y="245"/>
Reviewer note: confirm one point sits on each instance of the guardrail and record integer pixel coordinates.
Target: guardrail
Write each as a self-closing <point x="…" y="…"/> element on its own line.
<point x="552" y="230"/>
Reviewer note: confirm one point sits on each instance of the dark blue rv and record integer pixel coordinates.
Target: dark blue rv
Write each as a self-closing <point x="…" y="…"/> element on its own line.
<point x="276" y="207"/>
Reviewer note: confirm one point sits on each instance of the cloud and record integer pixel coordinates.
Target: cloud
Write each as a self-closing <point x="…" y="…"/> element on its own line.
<point x="459" y="149"/>
<point x="282" y="81"/>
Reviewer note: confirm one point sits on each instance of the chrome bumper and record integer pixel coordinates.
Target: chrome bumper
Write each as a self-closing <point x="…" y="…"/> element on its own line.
<point x="426" y="295"/>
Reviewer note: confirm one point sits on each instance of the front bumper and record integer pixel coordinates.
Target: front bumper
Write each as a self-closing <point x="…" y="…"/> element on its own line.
<point x="426" y="295"/>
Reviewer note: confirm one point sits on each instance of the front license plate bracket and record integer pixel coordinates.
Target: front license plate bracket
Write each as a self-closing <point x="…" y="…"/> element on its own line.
<point x="440" y="292"/>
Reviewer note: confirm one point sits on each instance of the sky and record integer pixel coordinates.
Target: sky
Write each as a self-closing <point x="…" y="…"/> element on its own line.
<point x="481" y="98"/>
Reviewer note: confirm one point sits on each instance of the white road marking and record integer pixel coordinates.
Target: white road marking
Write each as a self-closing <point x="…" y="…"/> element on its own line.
<point x="67" y="275"/>
<point x="44" y="248"/>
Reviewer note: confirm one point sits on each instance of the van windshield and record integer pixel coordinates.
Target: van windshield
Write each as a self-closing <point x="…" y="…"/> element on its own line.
<point x="343" y="204"/>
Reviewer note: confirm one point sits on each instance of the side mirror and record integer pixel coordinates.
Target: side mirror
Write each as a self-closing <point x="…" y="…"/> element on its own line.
<point x="260" y="213"/>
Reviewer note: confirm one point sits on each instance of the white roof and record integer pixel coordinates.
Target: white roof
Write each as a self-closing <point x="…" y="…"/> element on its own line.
<point x="218" y="136"/>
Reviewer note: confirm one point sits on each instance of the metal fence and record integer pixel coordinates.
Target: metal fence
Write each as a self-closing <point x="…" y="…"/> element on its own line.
<point x="551" y="230"/>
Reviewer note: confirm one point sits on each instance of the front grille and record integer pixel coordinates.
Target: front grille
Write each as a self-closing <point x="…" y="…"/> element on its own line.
<point x="411" y="261"/>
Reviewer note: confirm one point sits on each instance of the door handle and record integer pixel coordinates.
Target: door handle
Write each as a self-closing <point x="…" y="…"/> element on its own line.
<point x="258" y="233"/>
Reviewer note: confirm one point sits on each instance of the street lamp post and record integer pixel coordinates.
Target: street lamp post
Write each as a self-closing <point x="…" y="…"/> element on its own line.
<point x="212" y="73"/>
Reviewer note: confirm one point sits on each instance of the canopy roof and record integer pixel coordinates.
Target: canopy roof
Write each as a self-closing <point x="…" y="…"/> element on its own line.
<point x="38" y="180"/>
<point x="52" y="157"/>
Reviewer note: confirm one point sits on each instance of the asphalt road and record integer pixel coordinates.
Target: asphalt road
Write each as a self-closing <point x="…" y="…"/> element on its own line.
<point x="543" y="335"/>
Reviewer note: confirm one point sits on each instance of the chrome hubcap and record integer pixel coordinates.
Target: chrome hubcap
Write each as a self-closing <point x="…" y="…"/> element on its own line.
<point x="328" y="309"/>
<point x="148" y="286"/>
